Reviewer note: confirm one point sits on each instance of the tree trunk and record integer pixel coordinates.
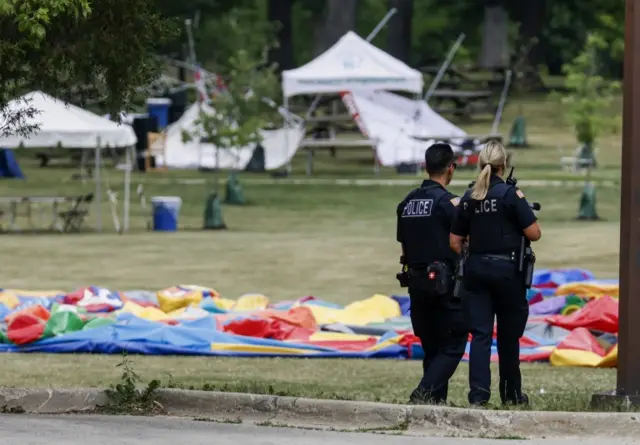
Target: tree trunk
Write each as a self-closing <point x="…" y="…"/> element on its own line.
<point x="495" y="50"/>
<point x="340" y="17"/>
<point x="532" y="15"/>
<point x="280" y="11"/>
<point x="399" y="33"/>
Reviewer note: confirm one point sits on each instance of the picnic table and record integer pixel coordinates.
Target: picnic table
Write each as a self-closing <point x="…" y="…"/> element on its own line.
<point x="467" y="94"/>
<point x="61" y="213"/>
<point x="466" y="103"/>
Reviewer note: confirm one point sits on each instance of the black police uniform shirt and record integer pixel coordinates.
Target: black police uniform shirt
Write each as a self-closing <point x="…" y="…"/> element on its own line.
<point x="424" y="223"/>
<point x="495" y="224"/>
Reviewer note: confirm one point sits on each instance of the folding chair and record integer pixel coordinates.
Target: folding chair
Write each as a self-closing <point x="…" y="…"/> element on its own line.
<point x="156" y="145"/>
<point x="73" y="218"/>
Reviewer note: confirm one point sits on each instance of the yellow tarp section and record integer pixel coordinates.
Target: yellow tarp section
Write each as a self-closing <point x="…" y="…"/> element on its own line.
<point x="376" y="309"/>
<point x="264" y="349"/>
<point x="251" y="302"/>
<point x="9" y="299"/>
<point x="589" y="290"/>
<point x="178" y="297"/>
<point x="386" y="343"/>
<point x="224" y="303"/>
<point x="34" y="293"/>
<point x="147" y="313"/>
<point x="573" y="358"/>
<point x="337" y="336"/>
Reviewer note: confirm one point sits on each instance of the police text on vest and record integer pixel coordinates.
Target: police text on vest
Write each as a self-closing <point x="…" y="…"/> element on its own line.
<point x="418" y="208"/>
<point x="487" y="206"/>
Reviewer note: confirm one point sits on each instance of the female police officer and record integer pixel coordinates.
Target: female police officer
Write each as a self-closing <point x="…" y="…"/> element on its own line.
<point x="494" y="216"/>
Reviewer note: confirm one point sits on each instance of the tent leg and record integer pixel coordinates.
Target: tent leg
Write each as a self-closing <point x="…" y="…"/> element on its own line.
<point x="376" y="164"/>
<point x="98" y="191"/>
<point x="286" y="136"/>
<point x="309" y="161"/>
<point x="127" y="187"/>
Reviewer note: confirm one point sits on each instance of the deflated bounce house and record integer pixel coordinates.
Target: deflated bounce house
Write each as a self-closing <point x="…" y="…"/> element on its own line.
<point x="573" y="322"/>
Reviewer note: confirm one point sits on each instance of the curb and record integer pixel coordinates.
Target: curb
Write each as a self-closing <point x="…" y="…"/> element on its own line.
<point x="292" y="411"/>
<point x="51" y="401"/>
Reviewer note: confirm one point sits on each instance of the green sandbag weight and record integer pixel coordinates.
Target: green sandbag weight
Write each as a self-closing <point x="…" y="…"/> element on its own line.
<point x="61" y="323"/>
<point x="234" y="191"/>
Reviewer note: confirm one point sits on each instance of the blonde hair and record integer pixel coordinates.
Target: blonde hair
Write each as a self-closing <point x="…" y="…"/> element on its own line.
<point x="492" y="157"/>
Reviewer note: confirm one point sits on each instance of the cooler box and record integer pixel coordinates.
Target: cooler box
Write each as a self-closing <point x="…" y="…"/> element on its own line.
<point x="166" y="210"/>
<point x="159" y="107"/>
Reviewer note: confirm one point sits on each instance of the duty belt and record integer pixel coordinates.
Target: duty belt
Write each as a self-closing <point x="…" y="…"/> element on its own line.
<point x="511" y="257"/>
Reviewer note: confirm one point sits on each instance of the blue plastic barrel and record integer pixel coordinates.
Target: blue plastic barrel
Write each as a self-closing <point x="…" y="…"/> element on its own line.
<point x="159" y="107"/>
<point x="166" y="210"/>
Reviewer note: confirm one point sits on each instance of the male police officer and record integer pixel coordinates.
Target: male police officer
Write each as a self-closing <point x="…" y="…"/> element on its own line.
<point x="424" y="222"/>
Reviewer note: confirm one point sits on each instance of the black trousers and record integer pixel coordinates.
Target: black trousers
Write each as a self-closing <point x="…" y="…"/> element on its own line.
<point x="439" y="323"/>
<point x="495" y="289"/>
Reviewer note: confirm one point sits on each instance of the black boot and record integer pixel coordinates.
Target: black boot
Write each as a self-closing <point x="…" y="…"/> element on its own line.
<point x="420" y="396"/>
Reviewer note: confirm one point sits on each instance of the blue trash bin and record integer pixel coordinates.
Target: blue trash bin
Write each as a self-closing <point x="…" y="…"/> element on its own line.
<point x="159" y="107"/>
<point x="166" y="210"/>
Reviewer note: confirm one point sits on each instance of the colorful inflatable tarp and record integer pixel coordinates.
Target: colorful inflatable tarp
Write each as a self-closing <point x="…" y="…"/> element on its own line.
<point x="565" y="329"/>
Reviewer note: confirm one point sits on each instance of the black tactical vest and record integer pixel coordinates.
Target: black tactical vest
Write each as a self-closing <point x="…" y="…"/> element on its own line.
<point x="492" y="228"/>
<point x="423" y="228"/>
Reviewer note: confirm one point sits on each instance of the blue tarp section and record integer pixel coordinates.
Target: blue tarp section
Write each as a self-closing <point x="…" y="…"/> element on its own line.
<point x="139" y="336"/>
<point x="9" y="167"/>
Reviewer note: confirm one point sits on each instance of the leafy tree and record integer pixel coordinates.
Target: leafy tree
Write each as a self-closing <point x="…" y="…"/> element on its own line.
<point x="590" y="97"/>
<point x="238" y="112"/>
<point x="220" y="39"/>
<point x="77" y="50"/>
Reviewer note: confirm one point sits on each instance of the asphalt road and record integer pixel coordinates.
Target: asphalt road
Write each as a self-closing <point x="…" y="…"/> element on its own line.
<point x="110" y="430"/>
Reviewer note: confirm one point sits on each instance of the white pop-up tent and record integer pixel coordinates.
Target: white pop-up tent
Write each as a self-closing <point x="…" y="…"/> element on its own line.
<point x="72" y="127"/>
<point x="354" y="64"/>
<point x="67" y="125"/>
<point x="351" y="63"/>
<point x="279" y="146"/>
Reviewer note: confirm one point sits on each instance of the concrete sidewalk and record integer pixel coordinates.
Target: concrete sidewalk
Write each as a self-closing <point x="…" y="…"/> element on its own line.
<point x="128" y="430"/>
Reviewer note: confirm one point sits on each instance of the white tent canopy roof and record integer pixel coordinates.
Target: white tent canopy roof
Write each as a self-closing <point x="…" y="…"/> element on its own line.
<point x="66" y="124"/>
<point x="351" y="63"/>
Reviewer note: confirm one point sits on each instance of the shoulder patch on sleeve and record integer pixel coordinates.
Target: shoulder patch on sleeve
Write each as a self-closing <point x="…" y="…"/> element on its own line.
<point x="519" y="193"/>
<point x="455" y="201"/>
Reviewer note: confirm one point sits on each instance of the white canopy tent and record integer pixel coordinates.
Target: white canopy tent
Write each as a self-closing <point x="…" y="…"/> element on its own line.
<point x="351" y="63"/>
<point x="279" y="146"/>
<point x="73" y="127"/>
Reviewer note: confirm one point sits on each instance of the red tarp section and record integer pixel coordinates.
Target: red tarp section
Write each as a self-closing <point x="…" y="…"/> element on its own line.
<point x="582" y="340"/>
<point x="600" y="314"/>
<point x="267" y="328"/>
<point x="27" y="325"/>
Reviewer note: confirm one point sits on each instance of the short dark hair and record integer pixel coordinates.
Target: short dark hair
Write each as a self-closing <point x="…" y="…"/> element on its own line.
<point x="438" y="158"/>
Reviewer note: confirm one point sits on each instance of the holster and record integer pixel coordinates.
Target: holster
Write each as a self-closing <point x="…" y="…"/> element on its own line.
<point x="529" y="265"/>
<point x="526" y="263"/>
<point x="460" y="271"/>
<point x="459" y="276"/>
<point x="403" y="276"/>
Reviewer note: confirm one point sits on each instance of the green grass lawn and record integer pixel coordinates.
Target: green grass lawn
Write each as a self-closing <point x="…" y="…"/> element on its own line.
<point x="334" y="242"/>
<point x="391" y="381"/>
